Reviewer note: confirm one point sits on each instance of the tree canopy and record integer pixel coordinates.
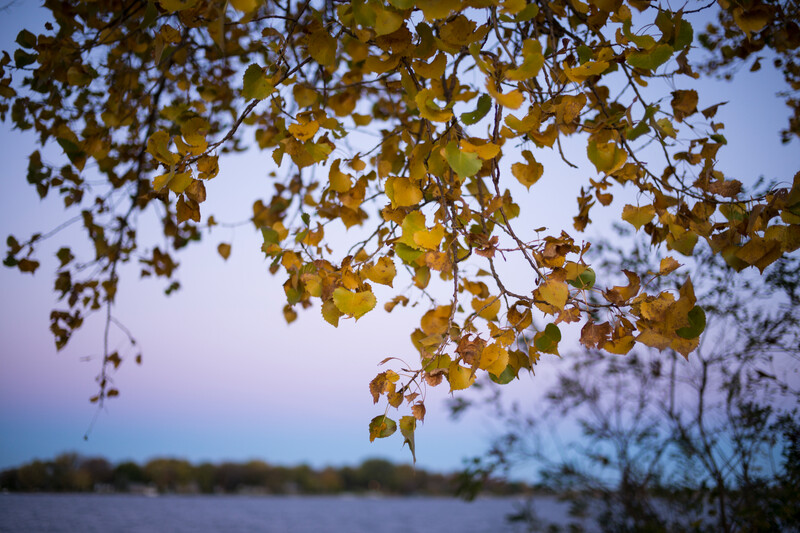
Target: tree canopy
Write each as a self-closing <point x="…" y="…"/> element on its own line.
<point x="418" y="126"/>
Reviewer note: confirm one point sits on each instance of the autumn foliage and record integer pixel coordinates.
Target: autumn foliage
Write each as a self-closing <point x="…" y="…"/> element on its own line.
<point x="453" y="106"/>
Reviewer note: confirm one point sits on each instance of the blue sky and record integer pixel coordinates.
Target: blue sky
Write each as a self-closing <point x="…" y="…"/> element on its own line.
<point x="223" y="376"/>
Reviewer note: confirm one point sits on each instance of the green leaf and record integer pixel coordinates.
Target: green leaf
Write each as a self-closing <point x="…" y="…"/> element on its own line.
<point x="530" y="11"/>
<point x="507" y="376"/>
<point x="364" y="14"/>
<point x="634" y="133"/>
<point x="407" y="253"/>
<point x="256" y="84"/>
<point x="642" y="41"/>
<point x="464" y="164"/>
<point x="585" y="280"/>
<point x="76" y="156"/>
<point x="26" y="39"/>
<point x="381" y="427"/>
<point x="697" y="324"/>
<point x="150" y="14"/>
<point x="23" y="59"/>
<point x="484" y="105"/>
<point x="685" y="34"/>
<point x="319" y="151"/>
<point x="584" y="54"/>
<point x="270" y="235"/>
<point x="412" y="223"/>
<point x="547" y="340"/>
<point x="407" y="426"/>
<point x="733" y="212"/>
<point x="650" y="59"/>
<point x="642" y="127"/>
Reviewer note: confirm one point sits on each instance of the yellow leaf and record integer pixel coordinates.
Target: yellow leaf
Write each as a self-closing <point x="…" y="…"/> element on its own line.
<point x="460" y="377"/>
<point x="160" y="181"/>
<point x="666" y="128"/>
<point x="361" y="120"/>
<point x="607" y="157"/>
<point x="382" y="272"/>
<point x="638" y="216"/>
<point x="339" y="181"/>
<point x="487" y="308"/>
<point x="494" y="359"/>
<point x="668" y="264"/>
<point x="158" y="147"/>
<point x="402" y="192"/>
<point x="527" y="173"/>
<point x="438" y="9"/>
<point x="304" y="132"/>
<point x="485" y="151"/>
<point x="437" y="261"/>
<point x="194" y="133"/>
<point x="511" y="100"/>
<point x="304" y="96"/>
<point x="430" y="239"/>
<point x="207" y="167"/>
<point x="313" y="284"/>
<point x="432" y="70"/>
<point x="387" y="21"/>
<point x="171" y="6"/>
<point x="456" y="33"/>
<point x="619" y="294"/>
<point x="568" y="107"/>
<point x="177" y="183"/>
<point x="546" y="137"/>
<point x="654" y="339"/>
<point x="656" y="309"/>
<point x="620" y="346"/>
<point x="331" y="313"/>
<point x="356" y="304"/>
<point x="245" y="6"/>
<point x="751" y="20"/>
<point x="322" y="47"/>
<point x="180" y="182"/>
<point x="551" y="296"/>
<point x="684" y="103"/>
<point x="684" y="346"/>
<point x="583" y="72"/>
<point x="512" y="7"/>
<point x="428" y="108"/>
<point x="437" y="320"/>
<point x="532" y="63"/>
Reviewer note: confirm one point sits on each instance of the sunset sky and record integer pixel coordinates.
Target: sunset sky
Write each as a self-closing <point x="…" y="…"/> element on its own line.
<point x="223" y="376"/>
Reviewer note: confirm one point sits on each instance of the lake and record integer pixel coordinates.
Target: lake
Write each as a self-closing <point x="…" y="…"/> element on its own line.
<point x="121" y="513"/>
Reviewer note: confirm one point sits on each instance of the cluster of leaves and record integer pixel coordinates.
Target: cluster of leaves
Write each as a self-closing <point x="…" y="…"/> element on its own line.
<point x="769" y="28"/>
<point x="464" y="97"/>
<point x="667" y="446"/>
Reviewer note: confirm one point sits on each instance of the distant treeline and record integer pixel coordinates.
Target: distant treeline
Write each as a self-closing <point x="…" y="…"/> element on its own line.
<point x="71" y="472"/>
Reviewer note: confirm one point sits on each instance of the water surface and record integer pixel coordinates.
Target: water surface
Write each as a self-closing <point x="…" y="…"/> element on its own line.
<point x="88" y="513"/>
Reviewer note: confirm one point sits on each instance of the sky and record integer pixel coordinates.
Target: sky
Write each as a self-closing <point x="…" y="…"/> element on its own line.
<point x="223" y="377"/>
